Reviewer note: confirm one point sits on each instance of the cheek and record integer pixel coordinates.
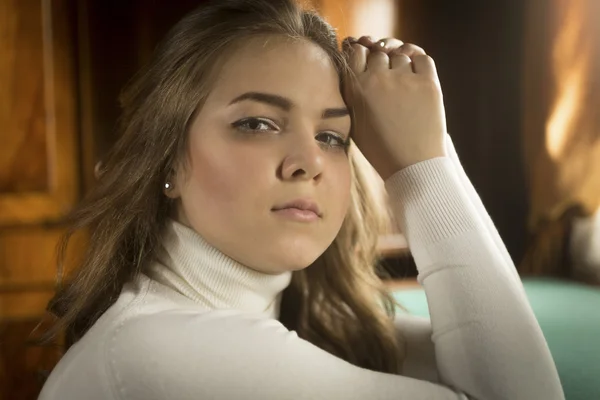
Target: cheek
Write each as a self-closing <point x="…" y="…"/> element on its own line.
<point x="219" y="179"/>
<point x="340" y="188"/>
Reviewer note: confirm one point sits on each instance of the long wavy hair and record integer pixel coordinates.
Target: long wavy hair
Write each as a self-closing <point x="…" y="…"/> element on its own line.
<point x="339" y="303"/>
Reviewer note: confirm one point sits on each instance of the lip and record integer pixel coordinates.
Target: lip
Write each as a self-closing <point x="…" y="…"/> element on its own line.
<point x="302" y="209"/>
<point x="297" y="214"/>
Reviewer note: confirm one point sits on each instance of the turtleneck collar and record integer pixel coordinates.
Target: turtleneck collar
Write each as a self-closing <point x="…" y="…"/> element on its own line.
<point x="197" y="270"/>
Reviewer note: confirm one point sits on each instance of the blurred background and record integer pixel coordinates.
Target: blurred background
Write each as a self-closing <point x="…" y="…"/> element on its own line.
<point x="521" y="82"/>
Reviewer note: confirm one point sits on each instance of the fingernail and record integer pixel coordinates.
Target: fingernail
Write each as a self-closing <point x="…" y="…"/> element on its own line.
<point x="352" y="39"/>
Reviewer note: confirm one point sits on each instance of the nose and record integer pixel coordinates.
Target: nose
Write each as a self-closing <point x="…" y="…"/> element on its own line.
<point x="304" y="160"/>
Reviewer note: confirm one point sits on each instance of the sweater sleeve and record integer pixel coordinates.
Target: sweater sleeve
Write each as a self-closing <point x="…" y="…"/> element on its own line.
<point x="416" y="331"/>
<point x="486" y="340"/>
<point x="478" y="207"/>
<point x="226" y="355"/>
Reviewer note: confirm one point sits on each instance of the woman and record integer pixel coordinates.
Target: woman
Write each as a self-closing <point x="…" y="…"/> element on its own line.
<point x="233" y="236"/>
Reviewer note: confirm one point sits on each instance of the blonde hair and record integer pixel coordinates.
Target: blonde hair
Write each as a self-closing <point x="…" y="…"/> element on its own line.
<point x="339" y="305"/>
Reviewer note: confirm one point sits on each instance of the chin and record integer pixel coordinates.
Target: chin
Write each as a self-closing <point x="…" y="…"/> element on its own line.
<point x="297" y="254"/>
<point x="296" y="262"/>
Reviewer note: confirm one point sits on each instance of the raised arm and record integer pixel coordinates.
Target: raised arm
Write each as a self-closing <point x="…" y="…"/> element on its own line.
<point x="416" y="331"/>
<point x="479" y="207"/>
<point x="487" y="342"/>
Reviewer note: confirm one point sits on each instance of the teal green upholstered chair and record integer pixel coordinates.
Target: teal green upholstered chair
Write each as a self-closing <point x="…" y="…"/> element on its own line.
<point x="569" y="315"/>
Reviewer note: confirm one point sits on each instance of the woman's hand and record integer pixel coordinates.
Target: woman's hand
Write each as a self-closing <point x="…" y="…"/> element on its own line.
<point x="396" y="98"/>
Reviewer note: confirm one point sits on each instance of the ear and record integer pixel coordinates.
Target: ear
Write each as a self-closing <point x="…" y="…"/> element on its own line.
<point x="171" y="189"/>
<point x="172" y="186"/>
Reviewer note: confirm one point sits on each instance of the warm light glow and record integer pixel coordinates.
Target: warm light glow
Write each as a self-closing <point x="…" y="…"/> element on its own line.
<point x="375" y="17"/>
<point x="571" y="68"/>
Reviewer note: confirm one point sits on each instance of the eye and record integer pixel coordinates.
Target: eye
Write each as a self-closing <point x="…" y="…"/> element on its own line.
<point x="255" y="124"/>
<point x="332" y="140"/>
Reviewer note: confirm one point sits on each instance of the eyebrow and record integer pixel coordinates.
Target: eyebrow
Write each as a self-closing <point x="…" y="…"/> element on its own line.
<point x="286" y="104"/>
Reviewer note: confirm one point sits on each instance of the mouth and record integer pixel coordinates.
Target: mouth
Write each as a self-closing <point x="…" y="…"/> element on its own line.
<point x="304" y="210"/>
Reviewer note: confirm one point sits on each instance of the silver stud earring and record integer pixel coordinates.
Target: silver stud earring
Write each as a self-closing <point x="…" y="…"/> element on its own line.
<point x="168" y="186"/>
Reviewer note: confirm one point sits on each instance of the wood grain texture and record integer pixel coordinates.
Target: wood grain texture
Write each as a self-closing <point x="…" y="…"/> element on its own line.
<point x="24" y="304"/>
<point x="38" y="155"/>
<point x="23" y="114"/>
<point x="28" y="256"/>
<point x="39" y="176"/>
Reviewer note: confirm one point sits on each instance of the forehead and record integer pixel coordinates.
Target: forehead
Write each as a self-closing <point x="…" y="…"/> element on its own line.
<point x="294" y="68"/>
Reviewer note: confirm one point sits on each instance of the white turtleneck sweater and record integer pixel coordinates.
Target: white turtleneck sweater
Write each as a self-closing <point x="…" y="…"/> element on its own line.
<point x="199" y="325"/>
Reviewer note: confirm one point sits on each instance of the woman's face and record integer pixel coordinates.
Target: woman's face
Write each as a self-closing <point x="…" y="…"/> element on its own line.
<point x="270" y="134"/>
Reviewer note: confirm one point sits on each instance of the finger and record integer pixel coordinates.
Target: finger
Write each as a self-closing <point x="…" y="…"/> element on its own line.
<point x="378" y="60"/>
<point x="388" y="44"/>
<point x="346" y="43"/>
<point x="366" y="41"/>
<point x="358" y="58"/>
<point x="424" y="65"/>
<point x="411" y="50"/>
<point x="400" y="61"/>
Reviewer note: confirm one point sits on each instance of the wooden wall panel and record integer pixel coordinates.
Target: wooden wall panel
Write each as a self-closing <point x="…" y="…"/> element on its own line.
<point x="39" y="176"/>
<point x="21" y="305"/>
<point x="23" y="116"/>
<point x="38" y="146"/>
<point x="28" y="255"/>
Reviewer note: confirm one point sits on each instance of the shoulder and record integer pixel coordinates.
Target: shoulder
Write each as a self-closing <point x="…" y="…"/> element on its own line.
<point x="194" y="353"/>
<point x="229" y="355"/>
<point x="184" y="327"/>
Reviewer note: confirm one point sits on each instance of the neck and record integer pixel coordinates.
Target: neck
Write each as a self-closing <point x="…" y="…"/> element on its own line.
<point x="202" y="273"/>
